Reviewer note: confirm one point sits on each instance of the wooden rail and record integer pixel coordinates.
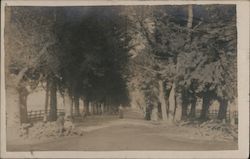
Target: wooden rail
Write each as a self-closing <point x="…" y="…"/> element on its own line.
<point x="36" y="115"/>
<point x="212" y="114"/>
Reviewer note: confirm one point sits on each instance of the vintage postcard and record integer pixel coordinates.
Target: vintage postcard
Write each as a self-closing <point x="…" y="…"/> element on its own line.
<point x="124" y="79"/>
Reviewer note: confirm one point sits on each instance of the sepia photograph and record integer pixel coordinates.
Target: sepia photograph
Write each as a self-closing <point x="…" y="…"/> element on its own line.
<point x="120" y="78"/>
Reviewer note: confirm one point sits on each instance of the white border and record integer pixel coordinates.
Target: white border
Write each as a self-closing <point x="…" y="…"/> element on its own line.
<point x="243" y="88"/>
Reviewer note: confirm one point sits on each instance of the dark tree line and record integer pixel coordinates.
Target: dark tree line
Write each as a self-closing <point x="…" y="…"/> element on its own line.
<point x="95" y="57"/>
<point x="84" y="61"/>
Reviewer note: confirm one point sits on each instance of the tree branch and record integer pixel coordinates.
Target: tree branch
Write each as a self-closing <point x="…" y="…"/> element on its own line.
<point x="33" y="62"/>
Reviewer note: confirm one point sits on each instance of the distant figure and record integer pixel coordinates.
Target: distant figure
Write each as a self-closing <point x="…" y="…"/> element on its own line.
<point x="60" y="123"/>
<point x="120" y="112"/>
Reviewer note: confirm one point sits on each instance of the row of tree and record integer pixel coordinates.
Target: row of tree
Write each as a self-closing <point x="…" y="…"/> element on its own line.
<point x="188" y="53"/>
<point x="82" y="58"/>
<point x="158" y="57"/>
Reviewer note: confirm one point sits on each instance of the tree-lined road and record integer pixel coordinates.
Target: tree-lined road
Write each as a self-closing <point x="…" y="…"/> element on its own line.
<point x="168" y="62"/>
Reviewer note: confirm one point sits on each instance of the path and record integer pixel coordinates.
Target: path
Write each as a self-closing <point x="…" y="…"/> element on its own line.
<point x="127" y="134"/>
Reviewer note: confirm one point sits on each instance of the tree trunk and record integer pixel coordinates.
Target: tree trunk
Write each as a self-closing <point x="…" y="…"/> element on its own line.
<point x="222" y="114"/>
<point x="45" y="117"/>
<point x="90" y="108"/>
<point x="154" y="114"/>
<point x="68" y="105"/>
<point x="232" y="109"/>
<point x="86" y="106"/>
<point x="94" y="108"/>
<point x="205" y="108"/>
<point x="184" y="110"/>
<point x="99" y="109"/>
<point x="82" y="100"/>
<point x="172" y="102"/>
<point x="53" y="102"/>
<point x="13" y="107"/>
<point x="175" y="104"/>
<point x="12" y="113"/>
<point x="23" y="95"/>
<point x="190" y="16"/>
<point x="185" y="103"/>
<point x="77" y="108"/>
<point x="190" y="21"/>
<point x="16" y="104"/>
<point x="177" y="109"/>
<point x="102" y="108"/>
<point x="193" y="108"/>
<point x="162" y="101"/>
<point x="108" y="108"/>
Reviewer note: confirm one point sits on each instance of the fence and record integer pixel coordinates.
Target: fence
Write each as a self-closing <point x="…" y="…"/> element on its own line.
<point x="36" y="115"/>
<point x="212" y="114"/>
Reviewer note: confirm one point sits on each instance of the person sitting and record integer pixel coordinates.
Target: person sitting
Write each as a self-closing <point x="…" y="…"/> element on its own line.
<point x="69" y="126"/>
<point x="60" y="123"/>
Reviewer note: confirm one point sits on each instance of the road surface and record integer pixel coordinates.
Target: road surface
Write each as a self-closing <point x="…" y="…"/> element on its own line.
<point x="126" y="134"/>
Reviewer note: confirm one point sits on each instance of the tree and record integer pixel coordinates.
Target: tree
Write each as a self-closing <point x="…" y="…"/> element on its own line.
<point x="153" y="27"/>
<point x="184" y="48"/>
<point x="24" y="49"/>
<point x="209" y="64"/>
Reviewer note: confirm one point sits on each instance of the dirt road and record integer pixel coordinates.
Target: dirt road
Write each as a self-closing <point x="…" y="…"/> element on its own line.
<point x="126" y="134"/>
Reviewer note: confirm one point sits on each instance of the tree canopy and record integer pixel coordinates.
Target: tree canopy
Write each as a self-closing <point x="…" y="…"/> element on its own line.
<point x="104" y="53"/>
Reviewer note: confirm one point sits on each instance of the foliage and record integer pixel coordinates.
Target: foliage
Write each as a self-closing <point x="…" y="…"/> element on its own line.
<point x="210" y="58"/>
<point x="104" y="51"/>
<point x="94" y="56"/>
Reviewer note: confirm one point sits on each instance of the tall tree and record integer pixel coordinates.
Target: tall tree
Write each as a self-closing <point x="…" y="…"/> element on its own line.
<point x="24" y="50"/>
